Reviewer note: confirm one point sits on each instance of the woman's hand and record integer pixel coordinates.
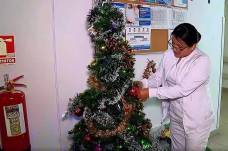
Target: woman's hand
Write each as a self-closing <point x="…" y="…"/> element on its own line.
<point x="143" y="94"/>
<point x="138" y="84"/>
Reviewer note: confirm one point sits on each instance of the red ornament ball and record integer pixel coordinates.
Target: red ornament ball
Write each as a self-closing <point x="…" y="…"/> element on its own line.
<point x="87" y="138"/>
<point x="134" y="91"/>
<point x="78" y="111"/>
<point x="127" y="108"/>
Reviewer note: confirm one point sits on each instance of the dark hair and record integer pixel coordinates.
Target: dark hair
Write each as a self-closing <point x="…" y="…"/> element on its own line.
<point x="187" y="33"/>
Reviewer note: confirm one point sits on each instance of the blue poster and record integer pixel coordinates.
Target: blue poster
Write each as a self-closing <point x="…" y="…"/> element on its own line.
<point x="144" y="16"/>
<point x="148" y="1"/>
<point x="164" y="2"/>
<point x="184" y="1"/>
<point x="120" y="7"/>
<point x="180" y="3"/>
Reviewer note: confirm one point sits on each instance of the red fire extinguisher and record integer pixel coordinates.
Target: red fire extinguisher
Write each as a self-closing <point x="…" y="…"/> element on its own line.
<point x="14" y="131"/>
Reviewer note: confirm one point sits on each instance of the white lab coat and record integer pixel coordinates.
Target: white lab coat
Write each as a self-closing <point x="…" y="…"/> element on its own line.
<point x="188" y="93"/>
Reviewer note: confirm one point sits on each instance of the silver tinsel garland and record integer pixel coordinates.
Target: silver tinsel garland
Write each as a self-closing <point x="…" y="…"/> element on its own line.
<point x="97" y="2"/>
<point x="132" y="144"/>
<point x="103" y="118"/>
<point x="111" y="77"/>
<point x="100" y="117"/>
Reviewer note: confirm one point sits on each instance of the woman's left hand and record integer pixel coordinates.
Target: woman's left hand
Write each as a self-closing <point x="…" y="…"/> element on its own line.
<point x="143" y="94"/>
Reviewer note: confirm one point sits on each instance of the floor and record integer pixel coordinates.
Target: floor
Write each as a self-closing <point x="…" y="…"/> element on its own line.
<point x="218" y="140"/>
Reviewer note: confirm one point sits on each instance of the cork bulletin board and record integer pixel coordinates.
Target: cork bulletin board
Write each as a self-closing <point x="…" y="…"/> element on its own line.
<point x="159" y="39"/>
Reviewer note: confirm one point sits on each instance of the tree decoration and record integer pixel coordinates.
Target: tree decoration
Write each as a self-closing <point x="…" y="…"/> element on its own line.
<point x="146" y="144"/>
<point x="98" y="147"/>
<point x="134" y="91"/>
<point x="145" y="128"/>
<point x="119" y="147"/>
<point x="166" y="133"/>
<point x="108" y="133"/>
<point x="131" y="129"/>
<point x="127" y="107"/>
<point x="103" y="47"/>
<point x="150" y="68"/>
<point x="93" y="82"/>
<point x="78" y="111"/>
<point x="88" y="138"/>
<point x="92" y="31"/>
<point x="112" y="114"/>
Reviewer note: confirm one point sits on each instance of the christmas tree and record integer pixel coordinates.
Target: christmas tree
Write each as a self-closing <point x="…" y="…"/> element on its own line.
<point x="111" y="117"/>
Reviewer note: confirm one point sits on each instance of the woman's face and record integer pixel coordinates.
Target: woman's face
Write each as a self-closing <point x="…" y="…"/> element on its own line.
<point x="180" y="48"/>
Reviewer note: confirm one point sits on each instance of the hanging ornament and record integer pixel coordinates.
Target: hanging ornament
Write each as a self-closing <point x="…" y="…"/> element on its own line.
<point x="127" y="108"/>
<point x="78" y="111"/>
<point x="134" y="91"/>
<point x="95" y="83"/>
<point x="103" y="47"/>
<point x="166" y="133"/>
<point x="92" y="31"/>
<point x="131" y="129"/>
<point x="145" y="143"/>
<point x="115" y="109"/>
<point x="98" y="147"/>
<point x="93" y="63"/>
<point x="144" y="130"/>
<point x="124" y="71"/>
<point x="64" y="115"/>
<point x="114" y="26"/>
<point x="111" y="42"/>
<point x="129" y="50"/>
<point x="139" y="106"/>
<point x="87" y="138"/>
<point x="150" y="68"/>
<point x="119" y="147"/>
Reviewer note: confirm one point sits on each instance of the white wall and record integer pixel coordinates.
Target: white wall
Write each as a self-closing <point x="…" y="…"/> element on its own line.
<point x="226" y="32"/>
<point x="73" y="54"/>
<point x="208" y="19"/>
<point x="225" y="58"/>
<point x="31" y="23"/>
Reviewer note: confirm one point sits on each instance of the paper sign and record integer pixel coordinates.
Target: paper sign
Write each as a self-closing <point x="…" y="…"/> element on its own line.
<point x="138" y="15"/>
<point x="178" y="16"/>
<point x="161" y="17"/>
<point x="138" y="37"/>
<point x="14" y="119"/>
<point x="7" y="51"/>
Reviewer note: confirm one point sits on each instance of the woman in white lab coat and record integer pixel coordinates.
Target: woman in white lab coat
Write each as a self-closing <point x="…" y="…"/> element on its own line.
<point x="180" y="83"/>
